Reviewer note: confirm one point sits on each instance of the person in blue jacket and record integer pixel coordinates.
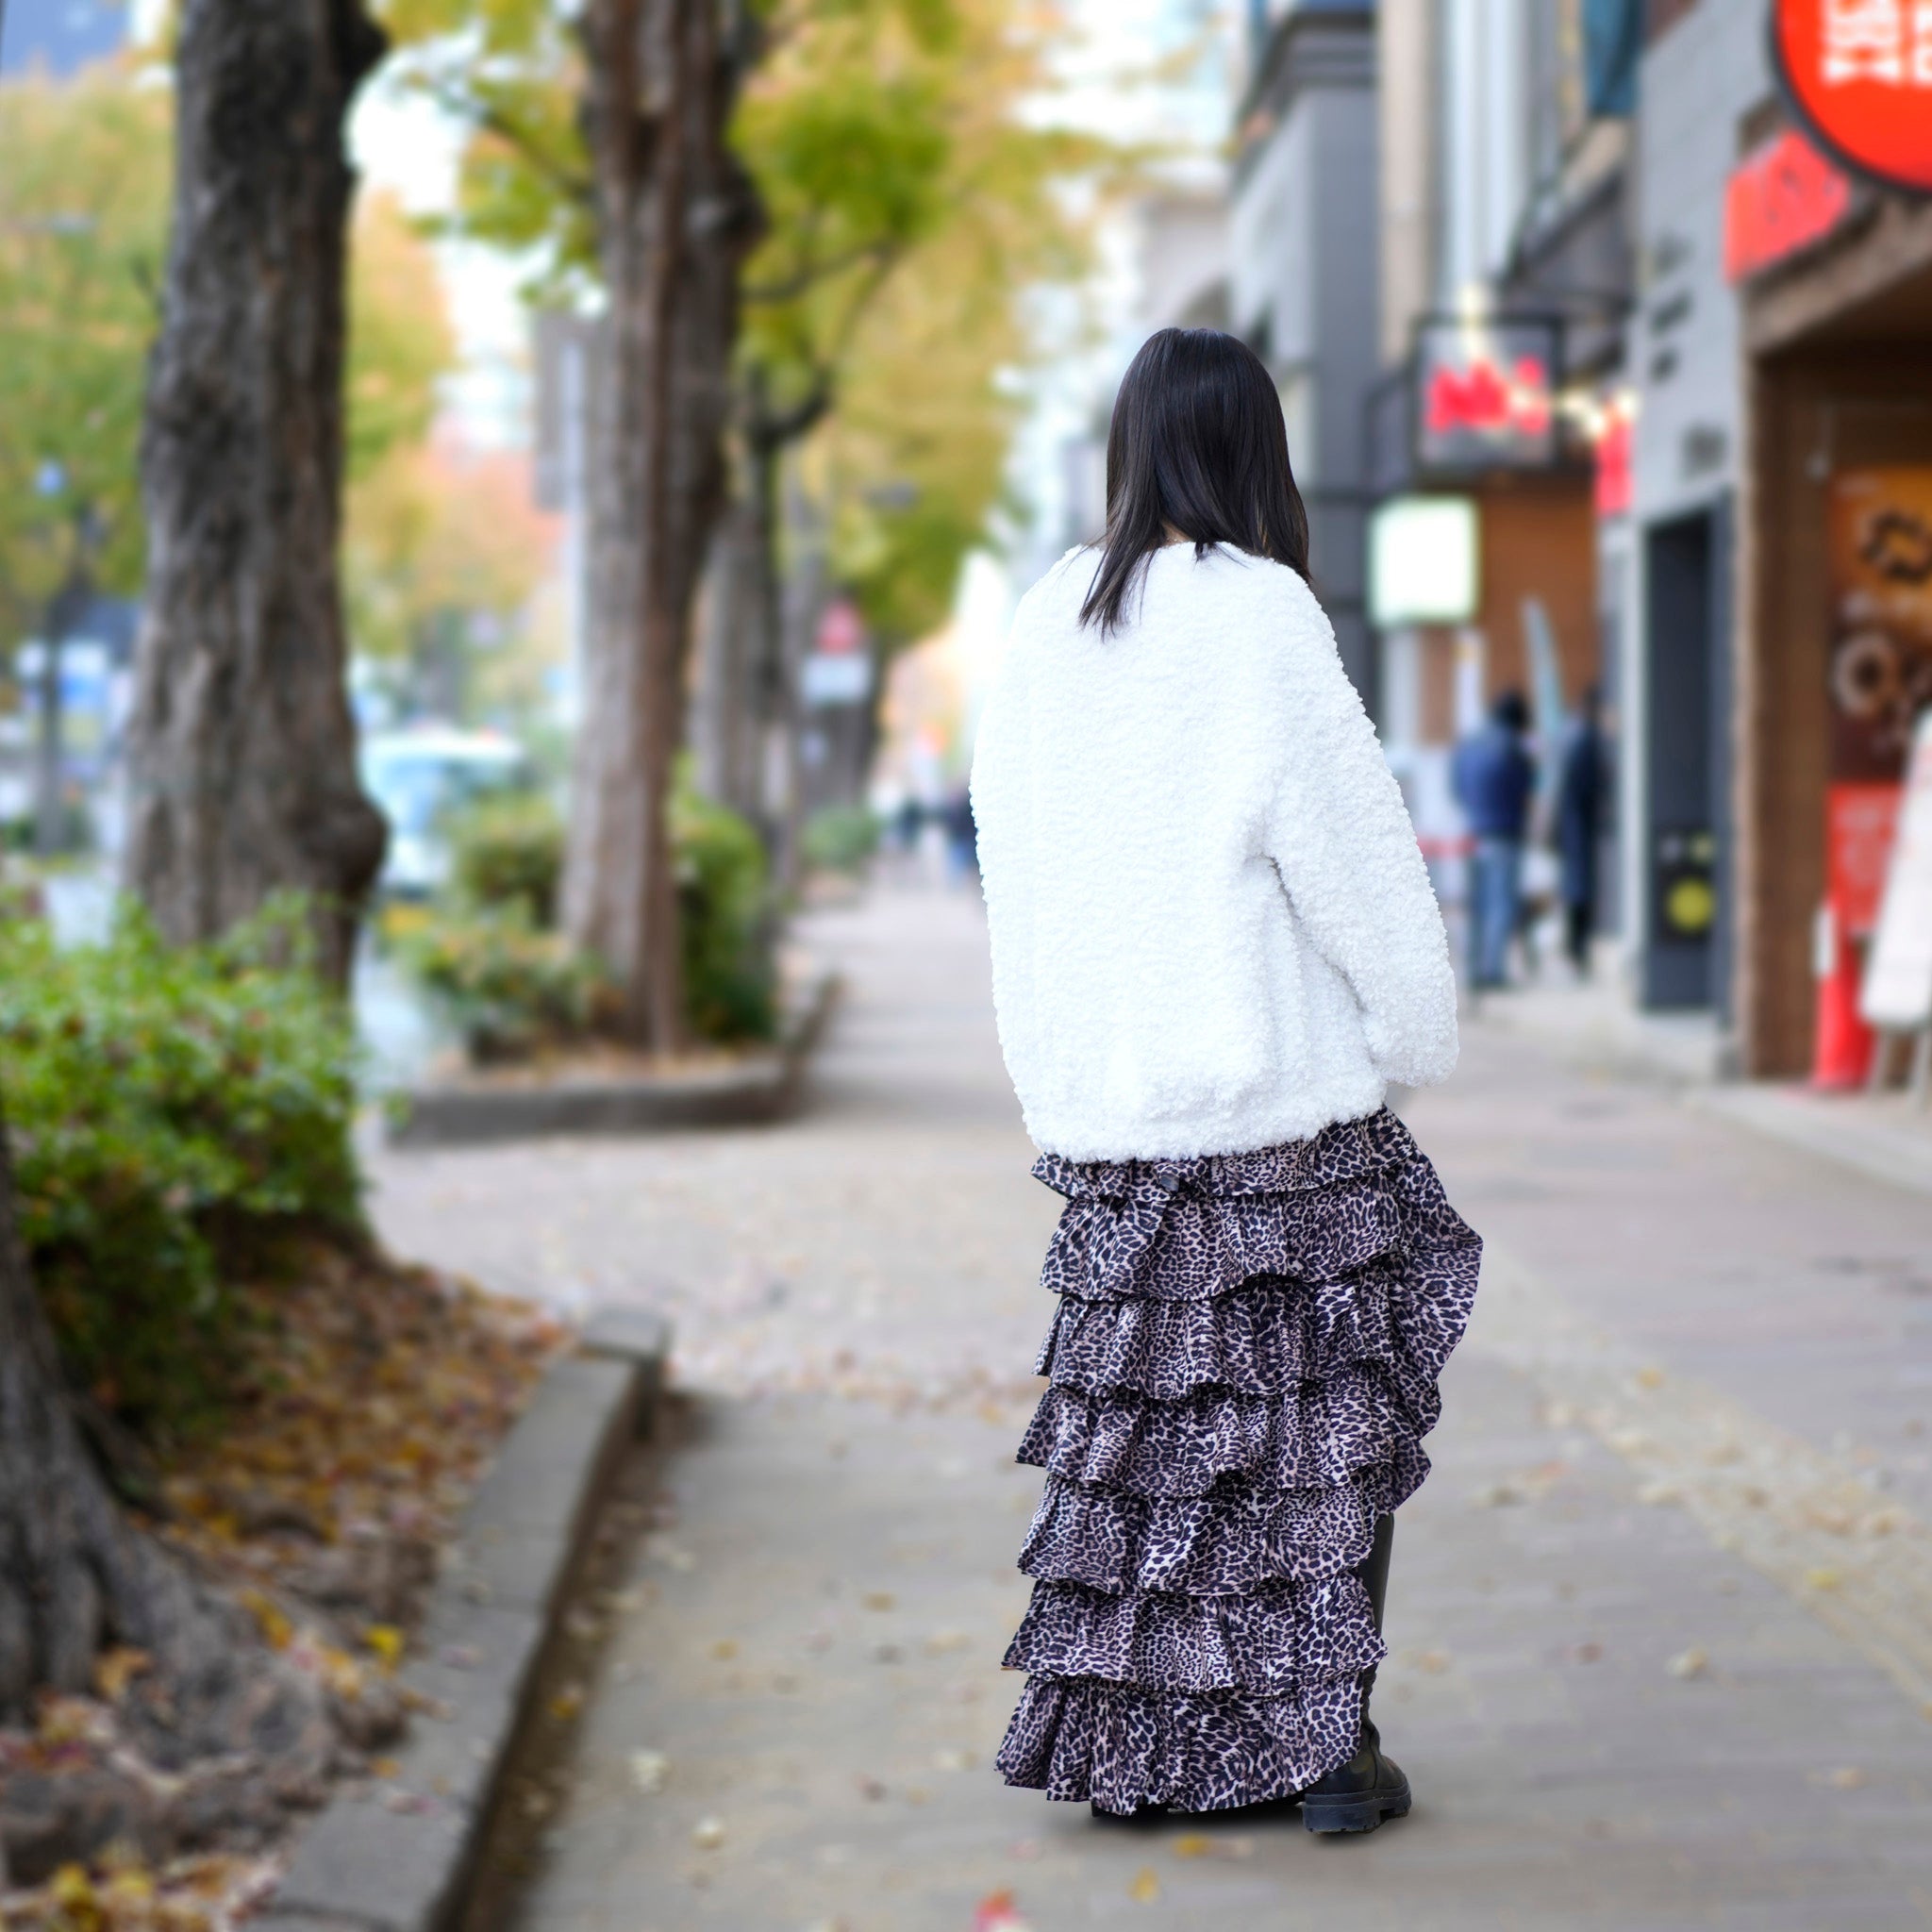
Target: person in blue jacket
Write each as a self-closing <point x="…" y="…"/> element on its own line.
<point x="1494" y="778"/>
<point x="1582" y="789"/>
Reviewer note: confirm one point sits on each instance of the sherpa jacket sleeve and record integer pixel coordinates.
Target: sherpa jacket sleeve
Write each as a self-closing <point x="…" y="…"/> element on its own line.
<point x="1340" y="836"/>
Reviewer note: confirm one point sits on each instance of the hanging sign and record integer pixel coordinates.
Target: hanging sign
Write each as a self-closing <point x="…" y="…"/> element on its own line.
<point x="1486" y="393"/>
<point x="1859" y="74"/>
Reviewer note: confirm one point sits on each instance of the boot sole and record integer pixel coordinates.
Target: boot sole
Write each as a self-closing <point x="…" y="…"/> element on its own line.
<point x="1339" y="1814"/>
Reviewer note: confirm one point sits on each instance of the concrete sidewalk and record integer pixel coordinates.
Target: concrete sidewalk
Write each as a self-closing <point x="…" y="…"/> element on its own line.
<point x="1593" y="1025"/>
<point x="1630" y="1691"/>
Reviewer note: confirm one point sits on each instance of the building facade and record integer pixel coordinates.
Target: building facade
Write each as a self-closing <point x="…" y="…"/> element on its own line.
<point x="1304" y="288"/>
<point x="1496" y="432"/>
<point x="1783" y="494"/>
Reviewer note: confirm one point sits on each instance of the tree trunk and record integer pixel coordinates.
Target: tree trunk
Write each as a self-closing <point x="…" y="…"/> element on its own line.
<point x="243" y="752"/>
<point x="675" y="215"/>
<point x="720" y="725"/>
<point x="77" y="1577"/>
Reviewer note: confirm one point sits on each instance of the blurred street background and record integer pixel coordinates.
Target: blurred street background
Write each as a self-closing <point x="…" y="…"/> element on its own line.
<point x="1603" y="339"/>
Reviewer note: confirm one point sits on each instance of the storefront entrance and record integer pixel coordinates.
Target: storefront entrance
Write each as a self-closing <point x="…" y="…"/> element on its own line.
<point x="1687" y="574"/>
<point x="1835" y="646"/>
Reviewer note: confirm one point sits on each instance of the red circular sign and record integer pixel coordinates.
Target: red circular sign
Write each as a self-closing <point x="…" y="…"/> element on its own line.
<point x="1859" y="73"/>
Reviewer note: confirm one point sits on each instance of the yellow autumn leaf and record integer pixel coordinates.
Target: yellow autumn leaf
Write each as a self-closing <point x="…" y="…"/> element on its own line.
<point x="114" y="1670"/>
<point x="130" y="1886"/>
<point x="386" y="1640"/>
<point x="1146" y="1886"/>
<point x="270" y="1619"/>
<point x="72" y="1893"/>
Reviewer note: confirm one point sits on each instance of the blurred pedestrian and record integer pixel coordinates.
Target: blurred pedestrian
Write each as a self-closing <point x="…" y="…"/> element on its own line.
<point x="906" y="823"/>
<point x="1580" y="786"/>
<point x="1494" y="776"/>
<point x="1214" y="946"/>
<point x="963" y="838"/>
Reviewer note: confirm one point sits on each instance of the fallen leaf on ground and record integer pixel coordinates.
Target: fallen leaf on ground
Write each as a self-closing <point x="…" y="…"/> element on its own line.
<point x="1688" y="1663"/>
<point x="1198" y="1844"/>
<point x="880" y="1600"/>
<point x="725" y="1650"/>
<point x="998" y="1912"/>
<point x="1434" y="1661"/>
<point x="114" y="1670"/>
<point x="386" y="1640"/>
<point x="648" y="1770"/>
<point x="567" y="1702"/>
<point x="1847" y="1778"/>
<point x="1822" y="1579"/>
<point x="707" y="1834"/>
<point x="952" y="1760"/>
<point x="1146" y="1886"/>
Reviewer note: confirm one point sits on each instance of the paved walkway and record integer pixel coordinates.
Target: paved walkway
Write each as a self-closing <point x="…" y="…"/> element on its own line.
<point x="1658" y="1619"/>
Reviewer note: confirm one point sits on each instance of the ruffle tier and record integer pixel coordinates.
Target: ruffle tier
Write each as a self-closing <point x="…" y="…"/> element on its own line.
<point x="1318" y="1435"/>
<point x="1121" y="1747"/>
<point x="1258" y="1340"/>
<point x="1181" y="1230"/>
<point x="1243" y="1364"/>
<point x="1236" y="1539"/>
<point x="1280" y="1638"/>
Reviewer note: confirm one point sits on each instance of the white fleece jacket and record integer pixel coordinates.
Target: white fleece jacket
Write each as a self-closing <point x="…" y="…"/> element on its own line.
<point x="1212" y="930"/>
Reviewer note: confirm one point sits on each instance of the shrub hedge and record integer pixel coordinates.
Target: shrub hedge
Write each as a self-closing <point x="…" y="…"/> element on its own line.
<point x="171" y="1110"/>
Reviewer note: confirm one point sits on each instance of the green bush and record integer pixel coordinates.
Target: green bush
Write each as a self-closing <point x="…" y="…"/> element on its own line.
<point x="841" y="838"/>
<point x="509" y="988"/>
<point x="171" y="1111"/>
<point x="512" y="987"/>
<point x="725" y="901"/>
<point x="507" y="852"/>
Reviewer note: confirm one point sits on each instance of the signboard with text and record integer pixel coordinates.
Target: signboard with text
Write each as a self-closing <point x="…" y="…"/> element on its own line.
<point x="1486" y="393"/>
<point x="1780" y="199"/>
<point x="1859" y="74"/>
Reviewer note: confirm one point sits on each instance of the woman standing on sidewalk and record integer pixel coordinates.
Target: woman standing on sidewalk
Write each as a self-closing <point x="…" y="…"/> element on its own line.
<point x="1214" y="946"/>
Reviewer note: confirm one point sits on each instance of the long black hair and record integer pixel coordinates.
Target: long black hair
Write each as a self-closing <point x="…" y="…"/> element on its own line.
<point x="1197" y="445"/>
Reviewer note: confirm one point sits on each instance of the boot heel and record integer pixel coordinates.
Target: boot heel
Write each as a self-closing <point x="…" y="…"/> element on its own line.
<point x="1354" y="1813"/>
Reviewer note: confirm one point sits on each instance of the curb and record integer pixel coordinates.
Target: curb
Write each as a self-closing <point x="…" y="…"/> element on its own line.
<point x="756" y="1090"/>
<point x="400" y="1859"/>
<point x="1848" y="1136"/>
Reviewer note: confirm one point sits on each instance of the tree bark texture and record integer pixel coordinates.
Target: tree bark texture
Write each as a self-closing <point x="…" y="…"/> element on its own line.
<point x="242" y="745"/>
<point x="725" y="712"/>
<point x="676" y="216"/>
<point x="75" y="1578"/>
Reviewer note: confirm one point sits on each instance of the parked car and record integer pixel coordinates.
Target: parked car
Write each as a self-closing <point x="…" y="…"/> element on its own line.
<point x="421" y="777"/>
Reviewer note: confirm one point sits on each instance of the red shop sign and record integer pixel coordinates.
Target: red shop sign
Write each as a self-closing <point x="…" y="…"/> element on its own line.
<point x="1779" y="199"/>
<point x="1859" y="74"/>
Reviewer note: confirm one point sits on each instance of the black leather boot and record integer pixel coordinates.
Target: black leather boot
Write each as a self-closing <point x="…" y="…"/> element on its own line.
<point x="1359" y="1795"/>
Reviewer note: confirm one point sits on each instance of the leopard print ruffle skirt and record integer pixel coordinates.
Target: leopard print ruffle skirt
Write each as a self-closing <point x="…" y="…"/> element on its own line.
<point x="1242" y="1366"/>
